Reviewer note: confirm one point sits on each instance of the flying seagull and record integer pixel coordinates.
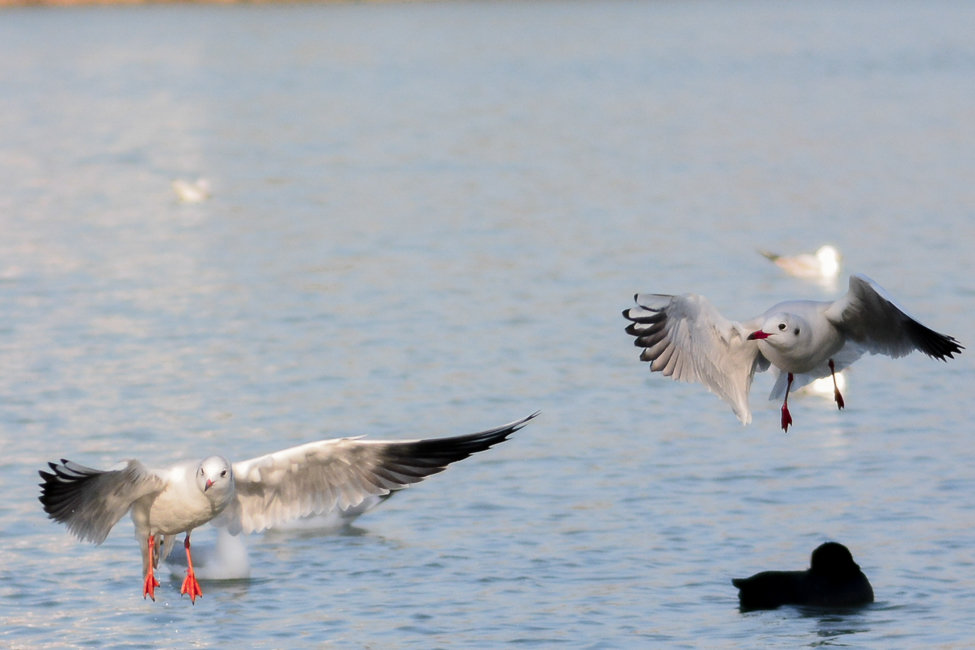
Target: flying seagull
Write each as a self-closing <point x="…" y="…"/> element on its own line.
<point x="685" y="337"/>
<point x="245" y="496"/>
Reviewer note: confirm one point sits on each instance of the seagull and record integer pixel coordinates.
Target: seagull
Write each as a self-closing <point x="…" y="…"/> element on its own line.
<point x="686" y="338"/>
<point x="832" y="580"/>
<point x="822" y="266"/>
<point x="245" y="496"/>
<point x="191" y="191"/>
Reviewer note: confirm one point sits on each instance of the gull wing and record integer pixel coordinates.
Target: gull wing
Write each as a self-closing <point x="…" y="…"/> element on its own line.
<point x="317" y="477"/>
<point x="686" y="338"/>
<point x="869" y="317"/>
<point x="90" y="501"/>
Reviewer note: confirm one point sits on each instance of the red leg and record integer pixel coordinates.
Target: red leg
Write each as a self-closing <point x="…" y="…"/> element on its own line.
<point x="190" y="585"/>
<point x="836" y="389"/>
<point x="150" y="584"/>
<point x="786" y="416"/>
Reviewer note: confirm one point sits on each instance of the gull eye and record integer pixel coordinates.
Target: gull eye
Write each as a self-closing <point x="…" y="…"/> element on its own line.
<point x="224" y="472"/>
<point x="781" y="327"/>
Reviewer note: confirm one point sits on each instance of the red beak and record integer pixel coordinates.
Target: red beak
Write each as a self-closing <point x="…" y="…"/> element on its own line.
<point x="757" y="335"/>
<point x="208" y="485"/>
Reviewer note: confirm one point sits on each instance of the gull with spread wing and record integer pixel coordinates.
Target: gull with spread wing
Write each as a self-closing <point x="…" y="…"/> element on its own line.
<point x="245" y="496"/>
<point x="686" y="338"/>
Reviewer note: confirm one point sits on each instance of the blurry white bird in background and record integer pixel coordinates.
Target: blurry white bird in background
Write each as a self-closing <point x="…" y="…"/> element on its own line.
<point x="192" y="191"/>
<point x="822" y="267"/>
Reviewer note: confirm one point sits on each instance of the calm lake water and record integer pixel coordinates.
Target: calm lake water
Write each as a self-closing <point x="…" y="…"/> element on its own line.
<point x="425" y="220"/>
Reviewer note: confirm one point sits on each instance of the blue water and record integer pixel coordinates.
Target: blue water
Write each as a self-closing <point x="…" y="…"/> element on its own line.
<point x="425" y="220"/>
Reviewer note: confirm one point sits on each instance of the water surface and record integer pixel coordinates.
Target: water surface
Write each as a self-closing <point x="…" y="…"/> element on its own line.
<point x="425" y="220"/>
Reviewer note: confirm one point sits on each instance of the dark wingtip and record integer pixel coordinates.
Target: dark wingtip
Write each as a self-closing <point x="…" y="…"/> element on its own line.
<point x="944" y="348"/>
<point x="626" y="312"/>
<point x="934" y="344"/>
<point x="58" y="486"/>
<point x="530" y="417"/>
<point x="418" y="459"/>
<point x="954" y="347"/>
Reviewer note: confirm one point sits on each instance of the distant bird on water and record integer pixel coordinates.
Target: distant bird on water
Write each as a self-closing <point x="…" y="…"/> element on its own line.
<point x="686" y="338"/>
<point x="823" y="266"/>
<point x="833" y="579"/>
<point x="246" y="496"/>
<point x="191" y="191"/>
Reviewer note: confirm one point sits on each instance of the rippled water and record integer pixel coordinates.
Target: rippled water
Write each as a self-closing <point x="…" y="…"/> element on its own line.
<point x="425" y="220"/>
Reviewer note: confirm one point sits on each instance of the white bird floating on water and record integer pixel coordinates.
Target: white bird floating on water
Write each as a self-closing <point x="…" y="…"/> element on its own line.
<point x="191" y="191"/>
<point x="686" y="338"/>
<point x="246" y="496"/>
<point x="823" y="266"/>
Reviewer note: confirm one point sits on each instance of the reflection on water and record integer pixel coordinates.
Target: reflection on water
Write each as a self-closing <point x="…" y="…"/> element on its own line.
<point x="833" y="627"/>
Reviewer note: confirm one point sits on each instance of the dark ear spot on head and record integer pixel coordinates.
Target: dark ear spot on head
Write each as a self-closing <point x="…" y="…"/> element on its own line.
<point x="796" y="332"/>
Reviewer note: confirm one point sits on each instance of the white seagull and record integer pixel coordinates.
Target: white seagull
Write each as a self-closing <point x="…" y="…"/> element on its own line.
<point x="246" y="496"/>
<point x="686" y="338"/>
<point x="191" y="191"/>
<point x="822" y="266"/>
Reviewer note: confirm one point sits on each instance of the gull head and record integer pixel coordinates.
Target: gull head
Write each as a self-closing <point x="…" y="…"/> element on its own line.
<point x="790" y="344"/>
<point x="215" y="478"/>
<point x="780" y="330"/>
